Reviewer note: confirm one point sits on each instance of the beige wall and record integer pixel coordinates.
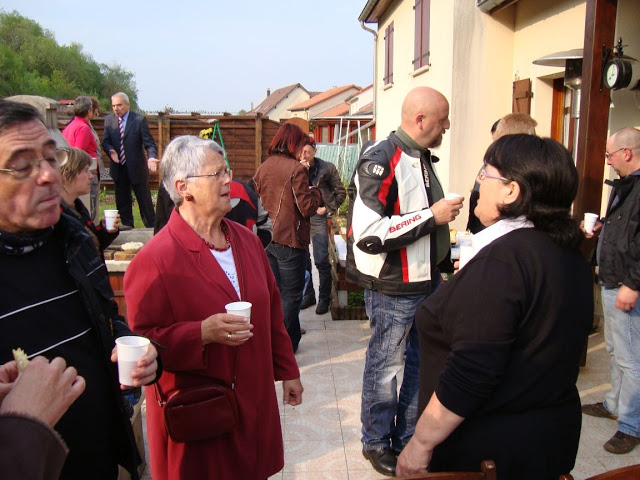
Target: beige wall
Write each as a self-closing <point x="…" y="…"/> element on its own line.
<point x="476" y="57"/>
<point x="298" y="95"/>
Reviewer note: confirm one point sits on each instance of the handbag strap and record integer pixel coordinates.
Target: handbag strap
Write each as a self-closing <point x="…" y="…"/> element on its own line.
<point x="161" y="398"/>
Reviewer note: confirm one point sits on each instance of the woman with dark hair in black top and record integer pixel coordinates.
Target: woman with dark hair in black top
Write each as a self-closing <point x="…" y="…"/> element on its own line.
<point x="501" y="341"/>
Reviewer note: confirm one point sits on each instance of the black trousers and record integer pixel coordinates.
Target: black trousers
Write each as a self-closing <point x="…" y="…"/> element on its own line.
<point x="124" y="199"/>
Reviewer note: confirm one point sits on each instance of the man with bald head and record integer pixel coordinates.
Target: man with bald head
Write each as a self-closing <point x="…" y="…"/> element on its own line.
<point x="398" y="234"/>
<point x="618" y="258"/>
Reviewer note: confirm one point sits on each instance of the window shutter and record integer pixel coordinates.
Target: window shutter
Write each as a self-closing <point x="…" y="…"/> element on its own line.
<point x="426" y="27"/>
<point x="421" y="35"/>
<point x="417" y="40"/>
<point x="391" y="54"/>
<point x="388" y="54"/>
<point x="521" y="96"/>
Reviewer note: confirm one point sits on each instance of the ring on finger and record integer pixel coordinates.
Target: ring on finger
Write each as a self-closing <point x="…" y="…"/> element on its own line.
<point x="229" y="336"/>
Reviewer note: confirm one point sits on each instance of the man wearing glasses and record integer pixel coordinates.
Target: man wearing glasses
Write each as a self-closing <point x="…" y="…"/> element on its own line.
<point x="56" y="297"/>
<point x="618" y="259"/>
<point x="398" y="234"/>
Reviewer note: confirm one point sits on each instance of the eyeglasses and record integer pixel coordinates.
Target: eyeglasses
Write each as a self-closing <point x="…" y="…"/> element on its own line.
<point x="483" y="174"/>
<point x="220" y="175"/>
<point x="25" y="168"/>
<point x="608" y="155"/>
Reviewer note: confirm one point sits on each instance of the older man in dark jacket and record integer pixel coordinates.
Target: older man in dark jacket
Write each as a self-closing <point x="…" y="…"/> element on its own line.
<point x="325" y="176"/>
<point x="618" y="258"/>
<point x="57" y="300"/>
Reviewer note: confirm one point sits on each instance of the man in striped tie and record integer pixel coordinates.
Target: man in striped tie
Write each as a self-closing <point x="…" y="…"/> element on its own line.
<point x="126" y="136"/>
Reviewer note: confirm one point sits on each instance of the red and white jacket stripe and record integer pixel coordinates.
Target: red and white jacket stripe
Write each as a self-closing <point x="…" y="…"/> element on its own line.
<point x="390" y="246"/>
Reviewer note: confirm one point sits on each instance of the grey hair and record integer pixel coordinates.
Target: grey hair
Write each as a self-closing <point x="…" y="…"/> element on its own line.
<point x="124" y="96"/>
<point x="184" y="156"/>
<point x="82" y="106"/>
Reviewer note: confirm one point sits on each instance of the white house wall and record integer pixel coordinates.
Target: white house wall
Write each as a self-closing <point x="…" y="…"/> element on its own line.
<point x="364" y="99"/>
<point x="297" y="95"/>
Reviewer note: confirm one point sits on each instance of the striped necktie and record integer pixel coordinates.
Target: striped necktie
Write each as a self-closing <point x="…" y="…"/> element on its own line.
<point x="123" y="158"/>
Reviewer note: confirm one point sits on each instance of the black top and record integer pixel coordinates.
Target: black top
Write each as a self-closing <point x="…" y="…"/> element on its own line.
<point x="49" y="312"/>
<point x="500" y="345"/>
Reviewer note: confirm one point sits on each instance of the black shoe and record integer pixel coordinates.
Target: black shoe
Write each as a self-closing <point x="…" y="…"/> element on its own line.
<point x="323" y="307"/>
<point x="307" y="301"/>
<point x="382" y="459"/>
<point x="124" y="228"/>
<point x="303" y="331"/>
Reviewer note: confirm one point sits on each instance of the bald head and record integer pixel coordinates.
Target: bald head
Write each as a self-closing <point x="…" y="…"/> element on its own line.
<point x="425" y="116"/>
<point x="623" y="149"/>
<point x="628" y="137"/>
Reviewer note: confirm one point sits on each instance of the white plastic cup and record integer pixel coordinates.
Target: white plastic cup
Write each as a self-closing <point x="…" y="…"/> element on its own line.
<point x="453" y="196"/>
<point x="590" y="222"/>
<point x="130" y="350"/>
<point x="110" y="218"/>
<point x="242" y="309"/>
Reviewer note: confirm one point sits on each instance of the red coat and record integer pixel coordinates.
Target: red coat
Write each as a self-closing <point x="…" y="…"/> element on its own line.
<point x="173" y="284"/>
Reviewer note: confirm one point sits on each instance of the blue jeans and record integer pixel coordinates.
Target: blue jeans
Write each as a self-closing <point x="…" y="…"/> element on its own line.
<point x="320" y="241"/>
<point x="389" y="419"/>
<point x="622" y="338"/>
<point x="288" y="266"/>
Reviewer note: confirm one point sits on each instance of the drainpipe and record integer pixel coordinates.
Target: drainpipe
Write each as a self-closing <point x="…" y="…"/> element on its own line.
<point x="375" y="67"/>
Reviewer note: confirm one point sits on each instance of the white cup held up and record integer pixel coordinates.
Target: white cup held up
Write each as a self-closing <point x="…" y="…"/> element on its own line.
<point x="590" y="222"/>
<point x="453" y="196"/>
<point x="130" y="350"/>
<point x="110" y="218"/>
<point x="242" y="309"/>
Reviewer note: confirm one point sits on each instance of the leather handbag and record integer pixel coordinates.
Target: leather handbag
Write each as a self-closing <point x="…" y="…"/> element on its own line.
<point x="199" y="413"/>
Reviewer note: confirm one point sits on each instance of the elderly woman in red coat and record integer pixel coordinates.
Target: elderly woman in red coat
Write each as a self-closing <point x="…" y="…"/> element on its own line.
<point x="176" y="290"/>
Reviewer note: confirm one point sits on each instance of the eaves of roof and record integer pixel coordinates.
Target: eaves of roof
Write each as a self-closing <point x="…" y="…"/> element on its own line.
<point x="332" y="92"/>
<point x="373" y="10"/>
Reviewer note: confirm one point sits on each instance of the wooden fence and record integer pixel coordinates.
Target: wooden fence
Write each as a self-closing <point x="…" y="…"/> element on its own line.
<point x="246" y="137"/>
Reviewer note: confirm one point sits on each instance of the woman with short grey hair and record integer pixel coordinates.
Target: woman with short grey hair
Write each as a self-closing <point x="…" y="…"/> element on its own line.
<point x="177" y="289"/>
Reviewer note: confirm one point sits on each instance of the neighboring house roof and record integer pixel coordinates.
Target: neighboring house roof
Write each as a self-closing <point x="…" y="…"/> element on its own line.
<point x="359" y="92"/>
<point x="366" y="110"/>
<point x="321" y="97"/>
<point x="276" y="97"/>
<point x="337" y="111"/>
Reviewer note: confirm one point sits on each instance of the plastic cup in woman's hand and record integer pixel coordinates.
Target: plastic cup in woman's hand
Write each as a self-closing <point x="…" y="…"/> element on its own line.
<point x="242" y="309"/>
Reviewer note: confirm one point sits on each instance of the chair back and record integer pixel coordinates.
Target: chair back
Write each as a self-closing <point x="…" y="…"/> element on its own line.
<point x="488" y="472"/>
<point x="631" y="472"/>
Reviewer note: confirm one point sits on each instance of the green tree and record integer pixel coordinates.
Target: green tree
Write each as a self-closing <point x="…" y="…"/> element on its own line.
<point x="32" y="63"/>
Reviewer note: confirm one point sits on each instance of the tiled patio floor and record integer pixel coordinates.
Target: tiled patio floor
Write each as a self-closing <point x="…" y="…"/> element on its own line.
<point x="322" y="436"/>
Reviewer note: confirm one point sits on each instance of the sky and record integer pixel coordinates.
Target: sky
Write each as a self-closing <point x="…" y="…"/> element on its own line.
<point x="214" y="56"/>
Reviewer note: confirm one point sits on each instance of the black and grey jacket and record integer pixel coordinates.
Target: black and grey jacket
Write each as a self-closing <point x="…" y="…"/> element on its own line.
<point x="619" y="243"/>
<point x="325" y="176"/>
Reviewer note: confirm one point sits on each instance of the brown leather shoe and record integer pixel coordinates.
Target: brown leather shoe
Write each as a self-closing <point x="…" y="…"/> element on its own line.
<point x="621" y="443"/>
<point x="598" y="410"/>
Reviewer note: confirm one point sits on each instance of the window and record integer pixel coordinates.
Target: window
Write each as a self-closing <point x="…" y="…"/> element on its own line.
<point x="388" y="54"/>
<point x="421" y="42"/>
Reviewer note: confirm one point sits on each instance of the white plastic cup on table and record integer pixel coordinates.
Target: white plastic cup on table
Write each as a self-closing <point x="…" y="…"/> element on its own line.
<point x="130" y="350"/>
<point x="453" y="196"/>
<point x="242" y="309"/>
<point x="110" y="219"/>
<point x="590" y="222"/>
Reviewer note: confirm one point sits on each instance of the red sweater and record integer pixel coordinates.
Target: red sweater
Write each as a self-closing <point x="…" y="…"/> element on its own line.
<point x="79" y="135"/>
